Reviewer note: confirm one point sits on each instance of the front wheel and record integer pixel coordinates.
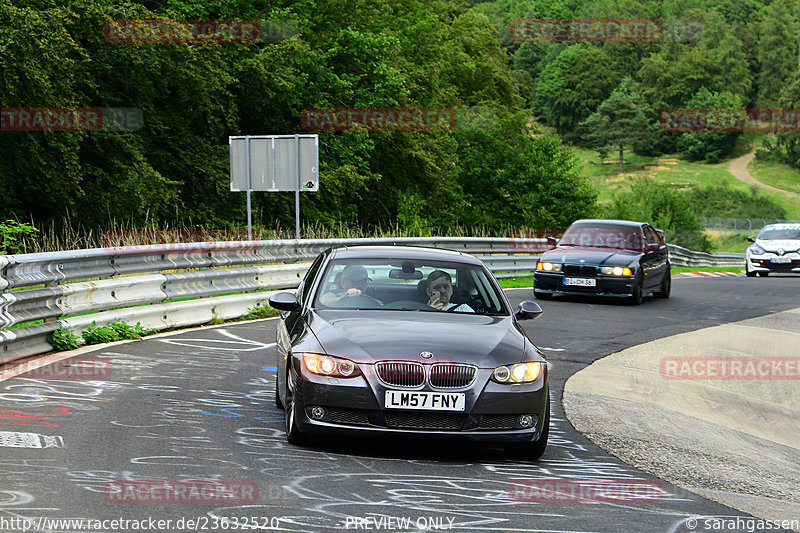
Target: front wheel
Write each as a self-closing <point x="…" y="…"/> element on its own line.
<point x="293" y="434"/>
<point x="763" y="274"/>
<point x="532" y="451"/>
<point x="749" y="273"/>
<point x="638" y="292"/>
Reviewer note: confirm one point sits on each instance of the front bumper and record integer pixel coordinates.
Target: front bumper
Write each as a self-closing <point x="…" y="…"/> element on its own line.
<point x="613" y="286"/>
<point x="355" y="406"/>
<point x="766" y="264"/>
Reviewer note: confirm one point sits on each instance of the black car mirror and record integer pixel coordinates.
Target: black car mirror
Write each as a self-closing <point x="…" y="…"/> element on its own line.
<point x="397" y="273"/>
<point x="751" y="239"/>
<point x="284" y="301"/>
<point x="528" y="310"/>
<point x="552" y="241"/>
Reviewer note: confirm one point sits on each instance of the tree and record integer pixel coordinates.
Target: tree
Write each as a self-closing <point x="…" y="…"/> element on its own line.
<point x="619" y="120"/>
<point x="572" y="86"/>
<point x="709" y="145"/>
<point x="777" y="53"/>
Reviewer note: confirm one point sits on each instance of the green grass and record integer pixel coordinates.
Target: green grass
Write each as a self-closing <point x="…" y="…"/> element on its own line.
<point x="678" y="270"/>
<point x="730" y="241"/>
<point x="776" y="174"/>
<point x="674" y="172"/>
<point x="521" y="281"/>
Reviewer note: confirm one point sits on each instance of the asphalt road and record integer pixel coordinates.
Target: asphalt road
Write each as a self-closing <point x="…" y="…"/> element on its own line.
<point x="200" y="405"/>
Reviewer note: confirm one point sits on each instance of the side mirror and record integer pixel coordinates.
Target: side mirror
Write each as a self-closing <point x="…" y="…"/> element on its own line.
<point x="552" y="241"/>
<point x="751" y="239"/>
<point x="528" y="310"/>
<point x="284" y="301"/>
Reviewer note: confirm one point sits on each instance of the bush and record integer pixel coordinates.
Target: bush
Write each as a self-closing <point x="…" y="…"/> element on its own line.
<point x="725" y="202"/>
<point x="63" y="340"/>
<point x="664" y="208"/>
<point x="95" y="334"/>
<point x="126" y="331"/>
<point x="12" y="234"/>
<point x="265" y="311"/>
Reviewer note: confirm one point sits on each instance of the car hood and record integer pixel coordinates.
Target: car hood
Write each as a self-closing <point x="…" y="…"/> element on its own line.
<point x="591" y="256"/>
<point x="368" y="336"/>
<point x="773" y="246"/>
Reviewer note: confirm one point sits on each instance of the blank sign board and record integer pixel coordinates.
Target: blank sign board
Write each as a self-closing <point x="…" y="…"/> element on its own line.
<point x="274" y="162"/>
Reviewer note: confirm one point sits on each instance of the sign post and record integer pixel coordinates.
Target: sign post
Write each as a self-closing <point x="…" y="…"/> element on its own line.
<point x="274" y="163"/>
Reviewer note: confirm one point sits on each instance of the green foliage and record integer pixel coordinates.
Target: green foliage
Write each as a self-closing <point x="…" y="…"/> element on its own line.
<point x="12" y="236"/>
<point x="571" y="87"/>
<point x="618" y="122"/>
<point x="63" y="340"/>
<point x="115" y="330"/>
<point x="663" y="207"/>
<point x="516" y="175"/>
<point x="95" y="334"/>
<point x="787" y="147"/>
<point x="126" y="331"/>
<point x="261" y="311"/>
<point x="709" y="145"/>
<point x="777" y="52"/>
<point x="725" y="202"/>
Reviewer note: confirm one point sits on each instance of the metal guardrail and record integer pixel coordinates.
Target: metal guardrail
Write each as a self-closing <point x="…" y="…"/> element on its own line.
<point x="177" y="285"/>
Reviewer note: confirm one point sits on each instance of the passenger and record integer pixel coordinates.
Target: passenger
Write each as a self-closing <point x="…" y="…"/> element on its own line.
<point x="440" y="289"/>
<point x="353" y="282"/>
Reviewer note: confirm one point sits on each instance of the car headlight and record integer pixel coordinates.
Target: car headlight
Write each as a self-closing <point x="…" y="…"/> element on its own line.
<point x="327" y="365"/>
<point x="548" y="267"/>
<point x="757" y="250"/>
<point x="616" y="271"/>
<point x="517" y="373"/>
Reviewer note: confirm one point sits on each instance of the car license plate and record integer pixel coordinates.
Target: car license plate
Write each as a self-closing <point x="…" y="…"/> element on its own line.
<point x="581" y="282"/>
<point x="781" y="260"/>
<point x="437" y="401"/>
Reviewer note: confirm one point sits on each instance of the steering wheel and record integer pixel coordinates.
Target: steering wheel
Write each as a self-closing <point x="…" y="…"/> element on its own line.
<point x="362" y="300"/>
<point x="407" y="304"/>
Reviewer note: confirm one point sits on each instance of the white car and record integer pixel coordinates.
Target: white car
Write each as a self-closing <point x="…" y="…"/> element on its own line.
<point x="776" y="249"/>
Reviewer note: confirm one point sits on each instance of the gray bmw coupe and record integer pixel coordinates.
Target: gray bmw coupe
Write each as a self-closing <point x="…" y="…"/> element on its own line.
<point x="395" y="340"/>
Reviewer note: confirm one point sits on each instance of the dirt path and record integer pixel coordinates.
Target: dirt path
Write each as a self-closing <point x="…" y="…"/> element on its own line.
<point x="738" y="167"/>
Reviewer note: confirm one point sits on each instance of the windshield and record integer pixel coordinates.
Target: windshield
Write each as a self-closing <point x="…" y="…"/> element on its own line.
<point x="406" y="285"/>
<point x="780" y="235"/>
<point x="603" y="236"/>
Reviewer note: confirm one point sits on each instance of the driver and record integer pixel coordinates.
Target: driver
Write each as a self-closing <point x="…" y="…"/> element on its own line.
<point x="353" y="283"/>
<point x="440" y="289"/>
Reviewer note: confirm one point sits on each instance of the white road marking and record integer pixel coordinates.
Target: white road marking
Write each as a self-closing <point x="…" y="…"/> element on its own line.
<point x="13" y="439"/>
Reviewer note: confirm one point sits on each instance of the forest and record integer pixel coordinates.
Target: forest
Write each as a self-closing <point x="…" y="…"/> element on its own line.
<point x="515" y="166"/>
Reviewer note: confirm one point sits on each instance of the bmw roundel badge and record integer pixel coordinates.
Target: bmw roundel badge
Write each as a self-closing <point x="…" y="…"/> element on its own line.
<point x="425" y="355"/>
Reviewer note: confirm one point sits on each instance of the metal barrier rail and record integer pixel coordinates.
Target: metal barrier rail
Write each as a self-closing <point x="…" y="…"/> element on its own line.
<point x="139" y="283"/>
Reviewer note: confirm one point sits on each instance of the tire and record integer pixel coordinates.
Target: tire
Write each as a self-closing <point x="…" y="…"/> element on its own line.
<point x="532" y="451"/>
<point x="749" y="274"/>
<point x="278" y="402"/>
<point x="763" y="274"/>
<point x="542" y="295"/>
<point x="666" y="286"/>
<point x="293" y="433"/>
<point x="638" y="292"/>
